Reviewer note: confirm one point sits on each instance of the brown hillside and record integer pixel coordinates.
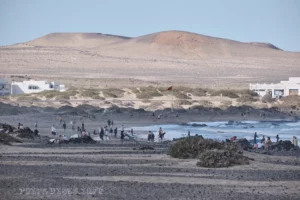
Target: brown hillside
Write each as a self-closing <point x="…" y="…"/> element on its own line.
<point x="164" y="57"/>
<point x="85" y="40"/>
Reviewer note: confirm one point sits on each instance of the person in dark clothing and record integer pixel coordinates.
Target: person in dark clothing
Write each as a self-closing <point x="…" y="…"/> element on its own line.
<point x="111" y="131"/>
<point x="36" y="132"/>
<point x="112" y="123"/>
<point x="277" y="138"/>
<point x="94" y="132"/>
<point x="149" y="136"/>
<point x="122" y="136"/>
<point x="64" y="126"/>
<point x="101" y="133"/>
<point x="152" y="137"/>
<point x="255" y="137"/>
<point x="189" y="134"/>
<point x="116" y="131"/>
<point x="82" y="126"/>
<point x="108" y="122"/>
<point x="78" y="129"/>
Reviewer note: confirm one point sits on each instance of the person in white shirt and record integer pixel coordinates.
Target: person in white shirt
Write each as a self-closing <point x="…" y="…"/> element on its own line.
<point x="53" y="130"/>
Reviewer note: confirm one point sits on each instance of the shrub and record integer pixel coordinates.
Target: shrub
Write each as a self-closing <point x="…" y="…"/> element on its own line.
<point x="113" y="93"/>
<point x="200" y="92"/>
<point x="27" y="98"/>
<point x="65" y="95"/>
<point x="90" y="93"/>
<point x="7" y="139"/>
<point x="183" y="102"/>
<point x="205" y="103"/>
<point x="148" y="93"/>
<point x="191" y="147"/>
<point x="247" y="98"/>
<point x="211" y="153"/>
<point x="248" y="93"/>
<point x="221" y="158"/>
<point x="226" y="93"/>
<point x="267" y="98"/>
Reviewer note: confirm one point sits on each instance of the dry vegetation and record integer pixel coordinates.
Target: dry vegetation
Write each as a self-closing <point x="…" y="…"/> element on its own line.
<point x="148" y="93"/>
<point x="113" y="93"/>
<point x="210" y="153"/>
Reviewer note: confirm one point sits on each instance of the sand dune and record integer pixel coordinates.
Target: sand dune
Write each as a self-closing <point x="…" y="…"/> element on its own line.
<point x="169" y="57"/>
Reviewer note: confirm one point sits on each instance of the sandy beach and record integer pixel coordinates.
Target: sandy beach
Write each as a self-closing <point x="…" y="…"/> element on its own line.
<point x="112" y="170"/>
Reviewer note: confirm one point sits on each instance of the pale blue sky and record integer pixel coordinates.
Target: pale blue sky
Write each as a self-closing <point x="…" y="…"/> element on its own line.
<point x="273" y="21"/>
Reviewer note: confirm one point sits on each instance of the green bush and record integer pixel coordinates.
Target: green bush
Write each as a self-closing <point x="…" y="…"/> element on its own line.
<point x="221" y="158"/>
<point x="192" y="147"/>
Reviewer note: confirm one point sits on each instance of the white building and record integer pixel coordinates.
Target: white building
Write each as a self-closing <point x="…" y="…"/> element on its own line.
<point x="4" y="87"/>
<point x="33" y="86"/>
<point x="282" y="89"/>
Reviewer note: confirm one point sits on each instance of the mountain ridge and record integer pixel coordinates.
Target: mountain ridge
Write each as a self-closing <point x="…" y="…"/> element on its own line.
<point x="170" y="38"/>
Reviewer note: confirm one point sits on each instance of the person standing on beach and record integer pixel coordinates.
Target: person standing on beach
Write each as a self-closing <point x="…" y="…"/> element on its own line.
<point x="101" y="133"/>
<point x="277" y="138"/>
<point x="111" y="131"/>
<point x="189" y="134"/>
<point x="64" y="126"/>
<point x="82" y="126"/>
<point x="108" y="122"/>
<point x="53" y="130"/>
<point x="122" y="136"/>
<point x="35" y="125"/>
<point x="149" y="136"/>
<point x="122" y="129"/>
<point x="72" y="125"/>
<point x="106" y="134"/>
<point x="263" y="139"/>
<point x="255" y="136"/>
<point x="131" y="131"/>
<point x="295" y="141"/>
<point x="268" y="143"/>
<point x="116" y="132"/>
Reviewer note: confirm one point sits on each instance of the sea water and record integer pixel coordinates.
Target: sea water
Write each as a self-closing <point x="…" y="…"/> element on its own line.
<point x="221" y="130"/>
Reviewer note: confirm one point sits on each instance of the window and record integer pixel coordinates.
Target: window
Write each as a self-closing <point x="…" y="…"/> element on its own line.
<point x="33" y="87"/>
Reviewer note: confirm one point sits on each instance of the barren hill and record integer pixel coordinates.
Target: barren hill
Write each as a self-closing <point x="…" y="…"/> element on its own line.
<point x="166" y="57"/>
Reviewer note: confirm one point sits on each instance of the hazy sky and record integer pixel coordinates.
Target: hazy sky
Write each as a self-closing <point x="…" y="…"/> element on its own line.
<point x="273" y="21"/>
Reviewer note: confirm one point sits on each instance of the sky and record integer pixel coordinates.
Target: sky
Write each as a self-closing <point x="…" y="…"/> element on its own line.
<point x="272" y="21"/>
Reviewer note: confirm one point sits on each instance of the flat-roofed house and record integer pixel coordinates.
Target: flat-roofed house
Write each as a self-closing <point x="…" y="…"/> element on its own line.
<point x="5" y="87"/>
<point x="32" y="86"/>
<point x="282" y="89"/>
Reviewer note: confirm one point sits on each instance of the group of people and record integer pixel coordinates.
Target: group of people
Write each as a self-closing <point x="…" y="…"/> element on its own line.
<point x="267" y="143"/>
<point x="161" y="135"/>
<point x="107" y="131"/>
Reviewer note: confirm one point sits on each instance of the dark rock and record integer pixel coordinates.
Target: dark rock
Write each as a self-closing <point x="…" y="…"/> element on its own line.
<point x="283" y="145"/>
<point x="243" y="143"/>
